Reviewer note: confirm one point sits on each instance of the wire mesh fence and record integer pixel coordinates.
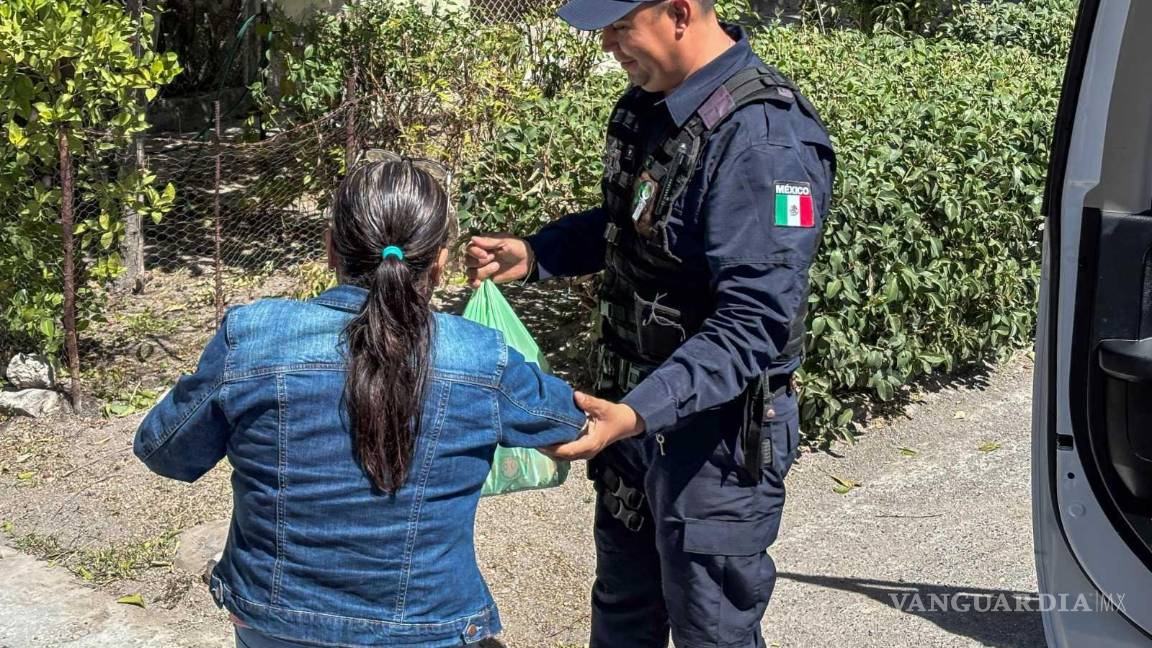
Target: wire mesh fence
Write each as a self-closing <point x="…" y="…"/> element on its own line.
<point x="500" y="11"/>
<point x="244" y="212"/>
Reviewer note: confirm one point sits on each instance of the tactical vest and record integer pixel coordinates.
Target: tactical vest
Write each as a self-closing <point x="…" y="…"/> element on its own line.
<point x="649" y="304"/>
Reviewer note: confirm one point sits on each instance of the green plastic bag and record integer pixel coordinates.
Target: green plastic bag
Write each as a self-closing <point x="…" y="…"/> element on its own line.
<point x="513" y="469"/>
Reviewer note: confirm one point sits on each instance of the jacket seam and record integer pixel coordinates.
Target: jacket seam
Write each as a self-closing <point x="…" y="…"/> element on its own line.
<point x="417" y="504"/>
<point x="502" y="361"/>
<point x="229" y="342"/>
<point x="450" y="376"/>
<point x="281" y="486"/>
<point x="286" y="368"/>
<point x="443" y="625"/>
<point x="338" y="305"/>
<point x="495" y="412"/>
<point x="441" y="374"/>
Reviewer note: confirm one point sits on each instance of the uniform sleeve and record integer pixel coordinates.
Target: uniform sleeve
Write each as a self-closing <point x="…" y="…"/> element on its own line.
<point x="760" y="278"/>
<point x="535" y="409"/>
<point x="572" y="246"/>
<point x="186" y="434"/>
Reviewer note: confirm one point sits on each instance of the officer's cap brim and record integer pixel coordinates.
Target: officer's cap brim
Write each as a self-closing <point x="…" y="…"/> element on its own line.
<point x="591" y="15"/>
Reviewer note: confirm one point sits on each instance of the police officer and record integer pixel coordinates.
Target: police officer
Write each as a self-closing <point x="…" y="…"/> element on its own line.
<point x="717" y="176"/>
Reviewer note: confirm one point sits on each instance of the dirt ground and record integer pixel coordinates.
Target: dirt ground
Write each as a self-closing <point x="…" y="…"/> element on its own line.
<point x="72" y="492"/>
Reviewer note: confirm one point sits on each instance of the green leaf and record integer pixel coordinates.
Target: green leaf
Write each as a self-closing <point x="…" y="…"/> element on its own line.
<point x="908" y="452"/>
<point x="16" y="135"/>
<point x="989" y="446"/>
<point x="132" y="599"/>
<point x="845" y="416"/>
<point x="843" y="485"/>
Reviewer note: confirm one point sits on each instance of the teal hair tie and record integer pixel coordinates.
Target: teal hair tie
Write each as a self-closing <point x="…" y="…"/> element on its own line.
<point x="392" y="251"/>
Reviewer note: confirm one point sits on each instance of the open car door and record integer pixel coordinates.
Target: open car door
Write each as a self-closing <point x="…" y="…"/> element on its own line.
<point x="1092" y="407"/>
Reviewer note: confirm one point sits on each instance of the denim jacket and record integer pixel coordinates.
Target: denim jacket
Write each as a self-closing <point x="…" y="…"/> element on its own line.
<point x="314" y="553"/>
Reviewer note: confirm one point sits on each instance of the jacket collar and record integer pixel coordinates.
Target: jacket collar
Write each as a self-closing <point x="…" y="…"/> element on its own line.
<point x="344" y="297"/>
<point x="690" y="95"/>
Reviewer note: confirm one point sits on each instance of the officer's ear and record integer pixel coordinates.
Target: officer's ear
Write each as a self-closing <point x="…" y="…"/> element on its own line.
<point x="681" y="12"/>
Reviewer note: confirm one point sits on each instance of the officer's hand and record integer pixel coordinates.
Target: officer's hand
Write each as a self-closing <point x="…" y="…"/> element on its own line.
<point x="499" y="257"/>
<point x="608" y="422"/>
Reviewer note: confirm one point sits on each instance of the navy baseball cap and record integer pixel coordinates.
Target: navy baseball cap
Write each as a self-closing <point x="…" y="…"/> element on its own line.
<point x="590" y="15"/>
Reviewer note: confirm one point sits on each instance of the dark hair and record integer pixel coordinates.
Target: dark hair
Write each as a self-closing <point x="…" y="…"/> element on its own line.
<point x="378" y="205"/>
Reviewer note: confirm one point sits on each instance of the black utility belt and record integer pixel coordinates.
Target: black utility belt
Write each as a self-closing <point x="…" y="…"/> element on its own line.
<point x="780" y="384"/>
<point x="617" y="373"/>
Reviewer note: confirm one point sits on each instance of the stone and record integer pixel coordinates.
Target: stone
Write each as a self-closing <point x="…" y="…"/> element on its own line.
<point x="201" y="545"/>
<point x="31" y="402"/>
<point x="29" y="371"/>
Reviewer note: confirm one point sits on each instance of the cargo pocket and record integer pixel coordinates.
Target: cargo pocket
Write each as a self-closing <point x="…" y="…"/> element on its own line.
<point x="738" y="562"/>
<point x="784" y="435"/>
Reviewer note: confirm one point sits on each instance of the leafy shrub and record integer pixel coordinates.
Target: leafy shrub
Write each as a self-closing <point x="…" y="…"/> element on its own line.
<point x="930" y="255"/>
<point x="543" y="162"/>
<point x="913" y="17"/>
<point x="1043" y="27"/>
<point x="438" y="96"/>
<point x="68" y="65"/>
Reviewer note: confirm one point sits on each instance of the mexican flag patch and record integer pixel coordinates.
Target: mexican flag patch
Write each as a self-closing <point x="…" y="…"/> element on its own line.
<point x="794" y="205"/>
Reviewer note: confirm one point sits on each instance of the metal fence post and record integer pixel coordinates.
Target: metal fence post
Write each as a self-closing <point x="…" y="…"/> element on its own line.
<point x="218" y="269"/>
<point x="351" y="146"/>
<point x="67" y="227"/>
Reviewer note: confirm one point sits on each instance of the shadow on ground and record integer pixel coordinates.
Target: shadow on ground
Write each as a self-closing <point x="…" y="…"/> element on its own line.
<point x="987" y="616"/>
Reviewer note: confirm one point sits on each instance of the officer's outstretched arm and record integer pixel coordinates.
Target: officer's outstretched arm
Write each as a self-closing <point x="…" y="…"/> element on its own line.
<point x="570" y="247"/>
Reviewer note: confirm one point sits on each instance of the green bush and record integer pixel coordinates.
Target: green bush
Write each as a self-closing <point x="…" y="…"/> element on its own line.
<point x="68" y="65"/>
<point x="930" y="255"/>
<point x="439" y="97"/>
<point x="1043" y="27"/>
<point x="543" y="162"/>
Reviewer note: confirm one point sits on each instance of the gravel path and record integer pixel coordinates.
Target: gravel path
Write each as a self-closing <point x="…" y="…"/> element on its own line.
<point x="949" y="516"/>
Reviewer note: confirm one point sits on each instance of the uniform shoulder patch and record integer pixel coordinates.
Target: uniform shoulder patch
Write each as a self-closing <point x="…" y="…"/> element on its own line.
<point x="794" y="204"/>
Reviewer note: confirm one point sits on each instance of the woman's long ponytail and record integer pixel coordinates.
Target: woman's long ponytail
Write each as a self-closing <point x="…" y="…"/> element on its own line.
<point x="390" y="222"/>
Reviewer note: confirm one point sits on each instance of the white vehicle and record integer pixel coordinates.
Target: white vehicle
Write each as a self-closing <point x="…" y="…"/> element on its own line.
<point x="1092" y="411"/>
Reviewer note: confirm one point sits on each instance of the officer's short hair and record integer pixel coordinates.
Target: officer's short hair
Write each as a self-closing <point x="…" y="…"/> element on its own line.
<point x="707" y="5"/>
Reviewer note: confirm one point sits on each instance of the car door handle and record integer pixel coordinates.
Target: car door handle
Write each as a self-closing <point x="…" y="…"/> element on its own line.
<point x="1129" y="360"/>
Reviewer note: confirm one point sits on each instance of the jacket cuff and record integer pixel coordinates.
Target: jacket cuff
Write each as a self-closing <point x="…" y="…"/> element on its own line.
<point x="653" y="401"/>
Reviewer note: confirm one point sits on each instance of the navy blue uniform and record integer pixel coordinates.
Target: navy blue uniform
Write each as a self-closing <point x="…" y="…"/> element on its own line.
<point x="701" y="568"/>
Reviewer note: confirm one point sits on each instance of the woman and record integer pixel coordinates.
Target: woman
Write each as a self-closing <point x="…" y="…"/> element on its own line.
<point x="360" y="427"/>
